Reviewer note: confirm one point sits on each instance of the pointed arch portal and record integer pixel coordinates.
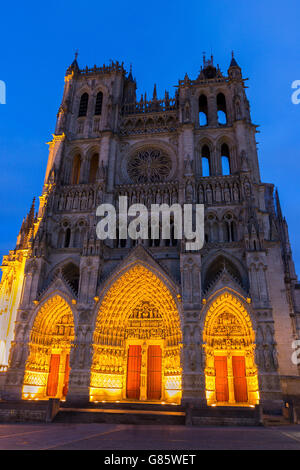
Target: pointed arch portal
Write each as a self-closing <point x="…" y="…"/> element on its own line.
<point x="47" y="367"/>
<point x="137" y="341"/>
<point x="230" y="372"/>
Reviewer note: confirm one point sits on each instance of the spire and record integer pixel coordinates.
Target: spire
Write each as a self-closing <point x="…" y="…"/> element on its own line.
<point x="31" y="214"/>
<point x="278" y="205"/>
<point x="130" y="77"/>
<point x="27" y="226"/>
<point x="74" y="66"/>
<point x="234" y="71"/>
<point x="154" y="92"/>
<point x="233" y="62"/>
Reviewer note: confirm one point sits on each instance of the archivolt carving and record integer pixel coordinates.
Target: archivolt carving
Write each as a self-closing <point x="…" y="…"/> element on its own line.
<point x="139" y="289"/>
<point x="227" y="332"/>
<point x="53" y="329"/>
<point x="227" y="321"/>
<point x="138" y="307"/>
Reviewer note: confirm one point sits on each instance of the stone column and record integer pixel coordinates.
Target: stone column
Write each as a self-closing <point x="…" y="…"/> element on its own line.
<point x="212" y="110"/>
<point x="16" y="364"/>
<point x="80" y="362"/>
<point x="193" y="380"/>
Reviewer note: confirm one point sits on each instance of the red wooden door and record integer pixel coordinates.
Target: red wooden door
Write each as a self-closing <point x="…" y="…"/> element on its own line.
<point x="222" y="393"/>
<point x="239" y="379"/>
<point x="53" y="375"/>
<point x="154" y="373"/>
<point x="134" y="372"/>
<point x="66" y="377"/>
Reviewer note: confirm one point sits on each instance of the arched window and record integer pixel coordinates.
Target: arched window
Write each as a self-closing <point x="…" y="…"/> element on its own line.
<point x="230" y="229"/>
<point x="98" y="105"/>
<point x="76" y="169"/>
<point x="212" y="228"/>
<point x="225" y="160"/>
<point x="173" y="239"/>
<point x="60" y="239"/>
<point x="67" y="237"/>
<point x="83" y="106"/>
<point x="76" y="241"/>
<point x="203" y="111"/>
<point x="205" y="156"/>
<point x="233" y="231"/>
<point x="221" y="109"/>
<point x="93" y="168"/>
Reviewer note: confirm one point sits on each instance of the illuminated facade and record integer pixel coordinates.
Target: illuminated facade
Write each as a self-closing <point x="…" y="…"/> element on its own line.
<point x="86" y="320"/>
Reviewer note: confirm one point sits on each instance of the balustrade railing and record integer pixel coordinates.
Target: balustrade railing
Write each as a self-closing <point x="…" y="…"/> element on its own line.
<point x="153" y="106"/>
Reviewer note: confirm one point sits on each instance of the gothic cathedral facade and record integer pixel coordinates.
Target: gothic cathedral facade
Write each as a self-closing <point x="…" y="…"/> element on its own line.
<point x="84" y="319"/>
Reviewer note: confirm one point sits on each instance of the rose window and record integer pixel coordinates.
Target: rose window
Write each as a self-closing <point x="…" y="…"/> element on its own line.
<point x="149" y="166"/>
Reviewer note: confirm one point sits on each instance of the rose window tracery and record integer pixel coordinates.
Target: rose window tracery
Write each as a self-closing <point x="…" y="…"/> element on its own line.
<point x="149" y="166"/>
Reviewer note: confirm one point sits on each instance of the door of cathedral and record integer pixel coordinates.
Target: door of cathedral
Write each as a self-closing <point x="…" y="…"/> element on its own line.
<point x="54" y="385"/>
<point x="154" y="373"/>
<point x="239" y="379"/>
<point x="134" y="388"/>
<point x="239" y="393"/>
<point x="53" y="376"/>
<point x="134" y="371"/>
<point x="222" y="393"/>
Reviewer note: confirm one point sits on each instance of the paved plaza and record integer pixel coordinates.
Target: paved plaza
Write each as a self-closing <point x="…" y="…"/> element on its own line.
<point x="133" y="437"/>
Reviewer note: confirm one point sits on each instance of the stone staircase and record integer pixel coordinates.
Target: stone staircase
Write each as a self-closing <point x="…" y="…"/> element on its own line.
<point x="121" y="413"/>
<point x="137" y="413"/>
<point x="225" y="416"/>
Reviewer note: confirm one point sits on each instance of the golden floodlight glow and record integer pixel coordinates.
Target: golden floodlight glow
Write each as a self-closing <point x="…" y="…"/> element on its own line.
<point x="138" y="289"/>
<point x="52" y="332"/>
<point x="228" y="332"/>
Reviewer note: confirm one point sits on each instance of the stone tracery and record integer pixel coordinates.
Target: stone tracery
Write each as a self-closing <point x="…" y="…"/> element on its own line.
<point x="150" y="165"/>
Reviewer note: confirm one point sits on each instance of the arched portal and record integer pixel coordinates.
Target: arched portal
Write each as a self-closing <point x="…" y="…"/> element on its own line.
<point x="137" y="341"/>
<point x="47" y="367"/>
<point x="230" y="372"/>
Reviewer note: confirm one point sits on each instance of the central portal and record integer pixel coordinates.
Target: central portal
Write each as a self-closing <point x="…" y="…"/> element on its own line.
<point x="144" y="372"/>
<point x="137" y="341"/>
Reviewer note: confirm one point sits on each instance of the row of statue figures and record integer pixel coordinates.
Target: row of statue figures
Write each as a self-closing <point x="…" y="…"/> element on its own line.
<point x="265" y="357"/>
<point x="77" y="200"/>
<point x="209" y="193"/>
<point x="203" y="193"/>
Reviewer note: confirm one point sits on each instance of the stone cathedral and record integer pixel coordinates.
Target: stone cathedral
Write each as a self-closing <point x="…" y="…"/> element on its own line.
<point x="90" y="320"/>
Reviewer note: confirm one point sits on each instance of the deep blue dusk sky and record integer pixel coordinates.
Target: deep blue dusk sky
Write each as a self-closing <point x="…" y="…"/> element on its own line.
<point x="163" y="40"/>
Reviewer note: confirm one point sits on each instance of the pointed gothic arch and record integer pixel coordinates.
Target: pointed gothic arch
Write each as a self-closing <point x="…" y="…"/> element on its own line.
<point x="76" y="168"/>
<point x="47" y="366"/>
<point x="216" y="264"/>
<point x="229" y="344"/>
<point x="137" y="325"/>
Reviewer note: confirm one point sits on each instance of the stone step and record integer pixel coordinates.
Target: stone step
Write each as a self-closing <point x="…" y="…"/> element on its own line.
<point x="119" y="415"/>
<point x="23" y="411"/>
<point x="128" y="405"/>
<point x="225" y="416"/>
<point x="275" y="420"/>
